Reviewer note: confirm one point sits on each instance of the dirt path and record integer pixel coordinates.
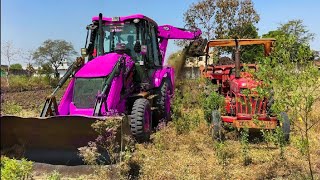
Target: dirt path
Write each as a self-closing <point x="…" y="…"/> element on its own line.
<point x="28" y="100"/>
<point x="41" y="170"/>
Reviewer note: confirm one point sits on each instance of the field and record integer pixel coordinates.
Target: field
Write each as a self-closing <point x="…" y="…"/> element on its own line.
<point x="184" y="149"/>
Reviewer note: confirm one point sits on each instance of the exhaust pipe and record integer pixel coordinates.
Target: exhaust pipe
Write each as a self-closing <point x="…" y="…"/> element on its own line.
<point x="101" y="49"/>
<point x="237" y="59"/>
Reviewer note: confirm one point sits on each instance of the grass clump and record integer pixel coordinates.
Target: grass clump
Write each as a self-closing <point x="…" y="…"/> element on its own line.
<point x="55" y="175"/>
<point x="12" y="169"/>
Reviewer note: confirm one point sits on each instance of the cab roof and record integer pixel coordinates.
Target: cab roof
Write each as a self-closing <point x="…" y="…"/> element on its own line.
<point x="267" y="42"/>
<point x="125" y="18"/>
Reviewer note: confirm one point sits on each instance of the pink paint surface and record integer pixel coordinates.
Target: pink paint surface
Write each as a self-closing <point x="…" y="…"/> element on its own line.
<point x="124" y="18"/>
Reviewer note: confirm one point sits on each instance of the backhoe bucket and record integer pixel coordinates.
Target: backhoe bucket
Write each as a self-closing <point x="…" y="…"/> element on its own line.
<point x="53" y="140"/>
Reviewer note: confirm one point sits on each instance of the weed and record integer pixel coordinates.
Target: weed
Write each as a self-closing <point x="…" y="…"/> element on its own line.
<point x="11" y="108"/>
<point x="245" y="146"/>
<point x="55" y="175"/>
<point x="12" y="169"/>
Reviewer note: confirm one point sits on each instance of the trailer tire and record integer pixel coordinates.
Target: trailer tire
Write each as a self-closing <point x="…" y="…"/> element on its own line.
<point x="141" y="120"/>
<point x="216" y="126"/>
<point x="285" y="126"/>
<point x="163" y="101"/>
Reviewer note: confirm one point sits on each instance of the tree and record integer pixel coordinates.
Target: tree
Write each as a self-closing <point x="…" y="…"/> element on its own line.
<point x="30" y="69"/>
<point x="201" y="15"/>
<point x="9" y="53"/>
<point x="216" y="18"/>
<point x="54" y="52"/>
<point x="16" y="66"/>
<point x="225" y="19"/>
<point x="297" y="29"/>
<point x="28" y="58"/>
<point x="251" y="53"/>
<point x="292" y="42"/>
<point x="46" y="69"/>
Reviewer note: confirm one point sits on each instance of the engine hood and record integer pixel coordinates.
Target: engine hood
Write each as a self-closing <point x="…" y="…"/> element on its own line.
<point x="100" y="66"/>
<point x="243" y="83"/>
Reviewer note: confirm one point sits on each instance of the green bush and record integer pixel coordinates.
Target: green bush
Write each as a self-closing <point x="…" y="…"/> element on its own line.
<point x="55" y="175"/>
<point x="213" y="101"/>
<point x="23" y="83"/>
<point x="12" y="169"/>
<point x="11" y="108"/>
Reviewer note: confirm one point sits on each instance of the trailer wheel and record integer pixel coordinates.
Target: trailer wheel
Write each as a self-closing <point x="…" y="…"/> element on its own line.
<point x="285" y="125"/>
<point x="140" y="120"/>
<point x="164" y="100"/>
<point x="216" y="123"/>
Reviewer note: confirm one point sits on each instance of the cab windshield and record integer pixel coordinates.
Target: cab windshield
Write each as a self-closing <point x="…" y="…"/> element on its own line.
<point x="125" y="32"/>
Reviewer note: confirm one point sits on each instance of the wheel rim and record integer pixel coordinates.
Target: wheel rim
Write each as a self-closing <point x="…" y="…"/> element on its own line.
<point x="147" y="118"/>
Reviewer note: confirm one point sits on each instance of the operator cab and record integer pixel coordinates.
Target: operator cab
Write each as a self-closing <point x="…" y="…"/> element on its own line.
<point x="137" y="33"/>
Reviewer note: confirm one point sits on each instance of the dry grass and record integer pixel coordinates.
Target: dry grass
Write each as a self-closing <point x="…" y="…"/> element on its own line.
<point x="194" y="156"/>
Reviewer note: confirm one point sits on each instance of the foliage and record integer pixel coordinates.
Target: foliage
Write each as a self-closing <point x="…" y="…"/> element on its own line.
<point x="16" y="66"/>
<point x="292" y="43"/>
<point x="201" y="15"/>
<point x="213" y="101"/>
<point x="294" y="80"/>
<point x="184" y="118"/>
<point x="275" y="137"/>
<point x="54" y="52"/>
<point x="249" y="53"/>
<point x="298" y="30"/>
<point x="23" y="83"/>
<point x="220" y="18"/>
<point x="233" y="18"/>
<point x="55" y="175"/>
<point x="46" y="69"/>
<point x="12" y="169"/>
<point x="245" y="146"/>
<point x="11" y="108"/>
<point x="30" y="69"/>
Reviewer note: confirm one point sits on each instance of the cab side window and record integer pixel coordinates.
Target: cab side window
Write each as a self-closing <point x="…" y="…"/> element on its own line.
<point x="153" y="54"/>
<point x="155" y="46"/>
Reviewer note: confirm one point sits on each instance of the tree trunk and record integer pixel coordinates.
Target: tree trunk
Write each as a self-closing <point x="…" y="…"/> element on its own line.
<point x="56" y="73"/>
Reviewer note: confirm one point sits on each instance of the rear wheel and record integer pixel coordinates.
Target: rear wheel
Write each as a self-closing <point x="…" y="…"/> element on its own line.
<point x="216" y="123"/>
<point x="140" y="119"/>
<point x="164" y="101"/>
<point x="285" y="125"/>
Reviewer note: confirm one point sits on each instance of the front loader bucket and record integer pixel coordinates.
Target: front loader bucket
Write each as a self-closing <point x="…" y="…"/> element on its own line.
<point x="53" y="140"/>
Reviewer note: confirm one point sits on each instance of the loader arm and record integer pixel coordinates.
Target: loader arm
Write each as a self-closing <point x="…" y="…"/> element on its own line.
<point x="166" y="32"/>
<point x="50" y="107"/>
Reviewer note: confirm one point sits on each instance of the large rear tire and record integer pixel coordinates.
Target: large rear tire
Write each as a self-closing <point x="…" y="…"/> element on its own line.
<point x="216" y="123"/>
<point x="285" y="126"/>
<point x="141" y="119"/>
<point x="164" y="100"/>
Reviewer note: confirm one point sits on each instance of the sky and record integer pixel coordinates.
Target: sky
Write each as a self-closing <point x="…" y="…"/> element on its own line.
<point x="28" y="23"/>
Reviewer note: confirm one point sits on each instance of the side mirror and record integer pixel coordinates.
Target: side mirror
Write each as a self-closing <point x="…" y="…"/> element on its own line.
<point x="84" y="52"/>
<point x="144" y="50"/>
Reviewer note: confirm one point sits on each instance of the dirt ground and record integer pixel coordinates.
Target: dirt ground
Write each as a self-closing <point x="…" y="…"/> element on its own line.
<point x="28" y="100"/>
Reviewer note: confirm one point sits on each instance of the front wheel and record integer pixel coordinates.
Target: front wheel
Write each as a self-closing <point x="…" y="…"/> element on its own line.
<point x="141" y="119"/>
<point x="216" y="126"/>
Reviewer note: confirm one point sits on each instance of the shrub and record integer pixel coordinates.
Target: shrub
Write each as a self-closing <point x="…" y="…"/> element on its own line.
<point x="55" y="175"/>
<point x="24" y="83"/>
<point x="12" y="169"/>
<point x="11" y="108"/>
